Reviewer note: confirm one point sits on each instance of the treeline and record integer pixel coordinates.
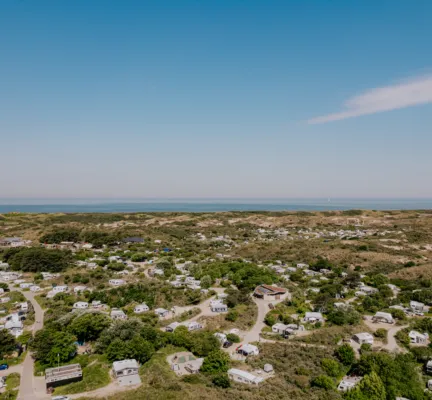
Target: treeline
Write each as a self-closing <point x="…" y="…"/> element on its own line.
<point x="118" y="341"/>
<point x="37" y="259"/>
<point x="97" y="238"/>
<point x="243" y="275"/>
<point x="153" y="293"/>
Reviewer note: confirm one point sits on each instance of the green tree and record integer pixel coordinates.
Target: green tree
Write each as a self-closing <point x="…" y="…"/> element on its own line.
<point x="232" y="315"/>
<point x="206" y="281"/>
<point x="324" y="382"/>
<point x="331" y="367"/>
<point x="233" y="338"/>
<point x="372" y="387"/>
<point x="7" y="343"/>
<point x="89" y="326"/>
<point x="140" y="349"/>
<point x="345" y="354"/>
<point x="216" y="362"/>
<point x="117" y="350"/>
<point x="221" y="380"/>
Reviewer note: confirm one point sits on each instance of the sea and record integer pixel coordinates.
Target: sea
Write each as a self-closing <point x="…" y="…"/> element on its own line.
<point x="207" y="205"/>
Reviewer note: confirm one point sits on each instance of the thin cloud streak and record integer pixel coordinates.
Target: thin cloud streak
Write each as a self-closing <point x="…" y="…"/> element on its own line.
<point x="413" y="92"/>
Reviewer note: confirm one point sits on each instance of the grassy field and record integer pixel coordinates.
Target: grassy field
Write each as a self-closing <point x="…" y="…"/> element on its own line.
<point x="95" y="375"/>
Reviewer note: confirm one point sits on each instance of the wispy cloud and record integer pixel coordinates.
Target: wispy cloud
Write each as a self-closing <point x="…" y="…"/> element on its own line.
<point x="410" y="93"/>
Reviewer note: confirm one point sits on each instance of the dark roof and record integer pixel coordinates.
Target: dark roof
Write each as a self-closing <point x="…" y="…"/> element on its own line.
<point x="133" y="239"/>
<point x="267" y="289"/>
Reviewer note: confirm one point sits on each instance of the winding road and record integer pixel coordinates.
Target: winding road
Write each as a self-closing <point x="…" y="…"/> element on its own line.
<point x="31" y="387"/>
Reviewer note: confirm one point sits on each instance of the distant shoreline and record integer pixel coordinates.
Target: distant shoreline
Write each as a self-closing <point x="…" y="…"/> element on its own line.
<point x="196" y="205"/>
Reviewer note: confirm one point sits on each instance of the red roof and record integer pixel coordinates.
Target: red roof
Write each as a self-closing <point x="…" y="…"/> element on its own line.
<point x="265" y="289"/>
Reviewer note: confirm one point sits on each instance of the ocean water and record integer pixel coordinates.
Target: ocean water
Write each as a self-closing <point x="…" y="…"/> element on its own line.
<point x="205" y="205"/>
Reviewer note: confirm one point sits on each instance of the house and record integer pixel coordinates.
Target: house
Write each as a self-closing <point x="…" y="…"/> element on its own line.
<point x="161" y="312"/>
<point x="429" y="367"/>
<point x="133" y="239"/>
<point x="348" y="383"/>
<point x="13" y="242"/>
<point x="116" y="282"/>
<point x="193" y="326"/>
<point x="60" y="289"/>
<point x="221" y="337"/>
<point x="97" y="304"/>
<point x="219" y="307"/>
<point x="116" y="313"/>
<point x="292" y="329"/>
<point x="418" y="307"/>
<point x="279" y="328"/>
<point x="24" y="306"/>
<point x="369" y="289"/>
<point x="62" y="375"/>
<point x="248" y="350"/>
<point x="126" y="372"/>
<point x="141" y="308"/>
<point x="25" y="285"/>
<point x="80" y="305"/>
<point x="177" y="284"/>
<point x="363" y="338"/>
<point x="418" y="338"/>
<point x="79" y="289"/>
<point x="15" y="328"/>
<point x="313" y="317"/>
<point x="35" y="288"/>
<point x="48" y="275"/>
<point x="193" y="366"/>
<point x="172" y="327"/>
<point x="383" y="317"/>
<point x="5" y="299"/>
<point x="267" y="292"/>
<point x="302" y="265"/>
<point x="238" y="375"/>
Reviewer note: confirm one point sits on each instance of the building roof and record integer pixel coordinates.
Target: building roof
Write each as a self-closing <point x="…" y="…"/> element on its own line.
<point x="249" y="348"/>
<point x="62" y="373"/>
<point x="268" y="289"/>
<point x="133" y="239"/>
<point x="381" y="314"/>
<point x="245" y="375"/>
<point x="125" y="364"/>
<point x="279" y="326"/>
<point x="316" y="315"/>
<point x="364" y="336"/>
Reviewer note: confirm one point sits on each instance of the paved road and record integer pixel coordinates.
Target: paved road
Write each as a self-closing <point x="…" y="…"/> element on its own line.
<point x="392" y="331"/>
<point x="31" y="388"/>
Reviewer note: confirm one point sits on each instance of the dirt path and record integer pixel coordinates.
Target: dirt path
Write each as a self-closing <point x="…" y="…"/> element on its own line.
<point x="107" y="390"/>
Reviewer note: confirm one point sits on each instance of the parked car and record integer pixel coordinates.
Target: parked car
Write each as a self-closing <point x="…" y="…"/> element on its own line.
<point x="60" y="398"/>
<point x="227" y="344"/>
<point x="3" y="367"/>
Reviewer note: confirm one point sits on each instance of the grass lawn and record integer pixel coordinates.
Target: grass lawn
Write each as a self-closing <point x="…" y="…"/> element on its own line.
<point x="95" y="375"/>
<point x="12" y="381"/>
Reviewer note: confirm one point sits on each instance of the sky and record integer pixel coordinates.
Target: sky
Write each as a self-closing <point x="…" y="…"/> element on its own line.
<point x="215" y="98"/>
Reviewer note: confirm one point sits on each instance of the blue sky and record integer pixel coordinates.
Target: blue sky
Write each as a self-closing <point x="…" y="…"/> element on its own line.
<point x="214" y="98"/>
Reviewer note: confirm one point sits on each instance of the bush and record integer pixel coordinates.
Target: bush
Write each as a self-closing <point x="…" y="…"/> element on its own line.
<point x="324" y="382"/>
<point x="233" y="338"/>
<point x="37" y="259"/>
<point x="232" y="316"/>
<point x="381" y="333"/>
<point x="331" y="367"/>
<point x="345" y="354"/>
<point x="217" y="361"/>
<point x="222" y="380"/>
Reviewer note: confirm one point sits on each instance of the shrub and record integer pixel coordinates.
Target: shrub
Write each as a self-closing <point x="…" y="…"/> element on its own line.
<point x="217" y="361"/>
<point x="331" y="367"/>
<point x="232" y="316"/>
<point x="222" y="380"/>
<point x="381" y="333"/>
<point x="345" y="354"/>
<point x="324" y="382"/>
<point x="232" y="337"/>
